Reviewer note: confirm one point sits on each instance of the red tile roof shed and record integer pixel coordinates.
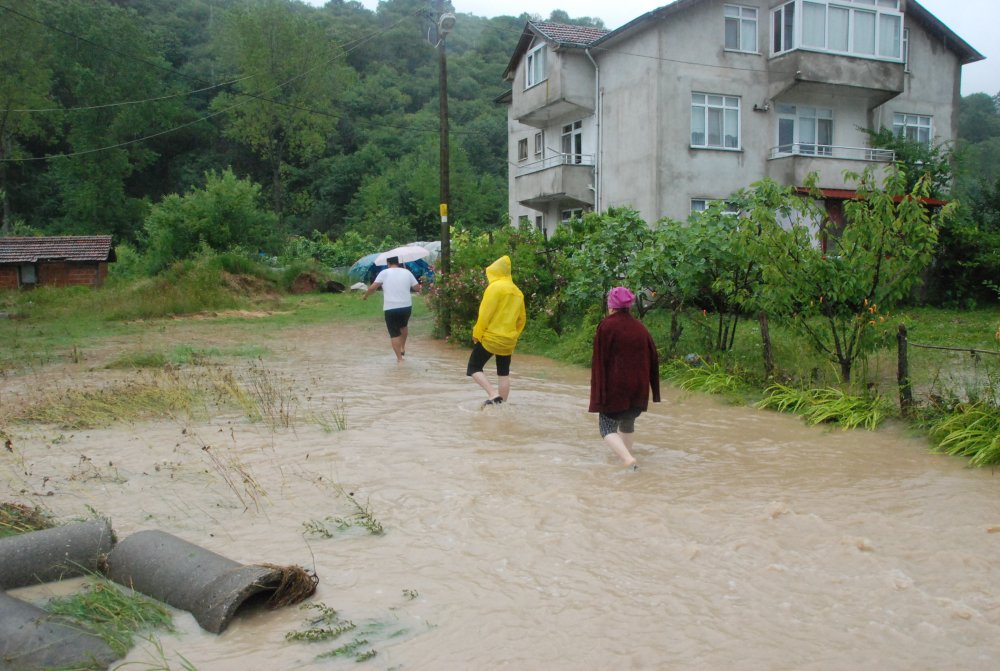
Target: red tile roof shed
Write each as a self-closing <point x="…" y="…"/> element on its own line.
<point x="57" y="248"/>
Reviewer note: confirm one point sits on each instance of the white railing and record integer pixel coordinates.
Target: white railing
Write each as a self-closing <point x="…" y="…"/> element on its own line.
<point x="832" y="151"/>
<point x="554" y="162"/>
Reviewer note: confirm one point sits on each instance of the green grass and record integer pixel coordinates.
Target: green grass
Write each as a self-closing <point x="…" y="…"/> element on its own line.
<point x="113" y="613"/>
<point x="827" y="406"/>
<point x="971" y="431"/>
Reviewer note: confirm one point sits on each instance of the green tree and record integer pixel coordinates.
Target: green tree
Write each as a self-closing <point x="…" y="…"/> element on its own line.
<point x="286" y="109"/>
<point x="25" y="56"/>
<point x="839" y="301"/>
<point x="226" y="214"/>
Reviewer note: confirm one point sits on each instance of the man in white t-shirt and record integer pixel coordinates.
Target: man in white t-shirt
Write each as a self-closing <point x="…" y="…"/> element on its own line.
<point x="396" y="283"/>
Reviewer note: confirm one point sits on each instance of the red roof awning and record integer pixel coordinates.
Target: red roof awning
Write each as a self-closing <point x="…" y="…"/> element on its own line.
<point x="849" y="194"/>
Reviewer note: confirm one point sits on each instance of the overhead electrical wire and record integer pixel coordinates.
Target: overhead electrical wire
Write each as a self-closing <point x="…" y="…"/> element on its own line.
<point x="351" y="46"/>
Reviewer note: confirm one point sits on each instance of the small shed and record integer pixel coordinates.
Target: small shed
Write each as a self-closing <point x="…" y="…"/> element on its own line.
<point x="55" y="261"/>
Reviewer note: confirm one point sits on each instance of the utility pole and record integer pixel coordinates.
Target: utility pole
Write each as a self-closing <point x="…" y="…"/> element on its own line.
<point x="445" y="23"/>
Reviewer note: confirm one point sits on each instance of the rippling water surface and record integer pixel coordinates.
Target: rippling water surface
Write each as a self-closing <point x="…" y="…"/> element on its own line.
<point x="514" y="540"/>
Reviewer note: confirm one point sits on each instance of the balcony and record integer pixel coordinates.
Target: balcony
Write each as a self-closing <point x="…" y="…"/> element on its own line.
<point x="566" y="94"/>
<point x="801" y="73"/>
<point x="792" y="164"/>
<point x="563" y="178"/>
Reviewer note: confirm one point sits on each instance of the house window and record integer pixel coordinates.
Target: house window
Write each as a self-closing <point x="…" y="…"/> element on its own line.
<point x="702" y="204"/>
<point x="27" y="274"/>
<point x="534" y="67"/>
<point x="567" y="215"/>
<point x="540" y="222"/>
<point x="572" y="142"/>
<point x="715" y="121"/>
<point x="522" y="221"/>
<point x="539" y="144"/>
<point x="872" y="28"/>
<point x="522" y="149"/>
<point x="741" y="28"/>
<point x="805" y="130"/>
<point x="913" y="127"/>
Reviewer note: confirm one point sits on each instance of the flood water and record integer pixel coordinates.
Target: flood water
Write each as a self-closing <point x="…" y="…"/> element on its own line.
<point x="514" y="540"/>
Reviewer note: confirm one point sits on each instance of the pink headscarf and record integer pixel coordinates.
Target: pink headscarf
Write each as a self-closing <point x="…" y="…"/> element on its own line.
<point x="620" y="297"/>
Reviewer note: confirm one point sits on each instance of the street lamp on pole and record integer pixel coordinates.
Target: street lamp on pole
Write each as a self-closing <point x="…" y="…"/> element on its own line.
<point x="445" y="24"/>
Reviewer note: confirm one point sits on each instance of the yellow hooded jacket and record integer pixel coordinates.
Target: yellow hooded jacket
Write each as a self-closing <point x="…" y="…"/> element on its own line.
<point x="501" y="312"/>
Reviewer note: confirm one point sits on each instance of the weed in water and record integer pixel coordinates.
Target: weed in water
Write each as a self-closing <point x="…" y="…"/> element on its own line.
<point x="334" y="419"/>
<point x="114" y="614"/>
<point x="16" y="518"/>
<point x="410" y="594"/>
<point x="130" y="360"/>
<point x="326" y="626"/>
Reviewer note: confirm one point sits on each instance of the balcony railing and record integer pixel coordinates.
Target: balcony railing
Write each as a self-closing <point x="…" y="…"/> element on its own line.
<point x="554" y="162"/>
<point x="833" y="151"/>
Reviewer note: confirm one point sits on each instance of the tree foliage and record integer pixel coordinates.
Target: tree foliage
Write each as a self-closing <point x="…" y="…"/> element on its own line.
<point x="840" y="300"/>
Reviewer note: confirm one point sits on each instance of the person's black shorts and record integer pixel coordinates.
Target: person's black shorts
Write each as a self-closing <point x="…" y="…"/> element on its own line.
<point x="618" y="422"/>
<point x="396" y="320"/>
<point x="480" y="356"/>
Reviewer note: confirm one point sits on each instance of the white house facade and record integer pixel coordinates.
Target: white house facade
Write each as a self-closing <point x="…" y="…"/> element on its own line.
<point x="697" y="99"/>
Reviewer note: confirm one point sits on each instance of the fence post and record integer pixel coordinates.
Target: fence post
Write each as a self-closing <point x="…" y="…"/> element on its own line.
<point x="903" y="374"/>
<point x="765" y="337"/>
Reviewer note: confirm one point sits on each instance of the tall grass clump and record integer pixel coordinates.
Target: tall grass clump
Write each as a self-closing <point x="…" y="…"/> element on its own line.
<point x="827" y="406"/>
<point x="703" y="377"/>
<point x="971" y="431"/>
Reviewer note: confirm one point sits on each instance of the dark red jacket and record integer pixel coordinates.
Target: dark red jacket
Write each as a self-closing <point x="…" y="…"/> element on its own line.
<point x="624" y="367"/>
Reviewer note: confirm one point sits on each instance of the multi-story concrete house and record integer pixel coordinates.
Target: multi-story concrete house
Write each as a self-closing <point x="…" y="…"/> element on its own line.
<point x="697" y="99"/>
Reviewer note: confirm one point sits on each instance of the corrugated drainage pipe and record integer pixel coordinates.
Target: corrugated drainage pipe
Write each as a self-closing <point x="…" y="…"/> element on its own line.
<point x="54" y="554"/>
<point x="31" y="639"/>
<point x="186" y="576"/>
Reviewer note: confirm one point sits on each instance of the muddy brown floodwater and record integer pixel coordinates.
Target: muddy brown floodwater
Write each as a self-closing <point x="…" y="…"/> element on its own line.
<point x="514" y="540"/>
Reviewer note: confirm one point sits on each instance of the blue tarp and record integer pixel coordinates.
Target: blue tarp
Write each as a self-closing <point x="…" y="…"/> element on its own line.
<point x="365" y="270"/>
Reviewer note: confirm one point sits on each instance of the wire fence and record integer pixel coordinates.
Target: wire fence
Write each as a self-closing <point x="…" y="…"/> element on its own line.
<point x="936" y="375"/>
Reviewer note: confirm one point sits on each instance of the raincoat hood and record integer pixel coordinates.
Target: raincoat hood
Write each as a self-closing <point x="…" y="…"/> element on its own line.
<point x="501" y="312"/>
<point x="499" y="269"/>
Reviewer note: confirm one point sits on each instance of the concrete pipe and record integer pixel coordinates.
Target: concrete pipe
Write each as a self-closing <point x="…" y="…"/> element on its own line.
<point x="54" y="554"/>
<point x="186" y="576"/>
<point x="31" y="639"/>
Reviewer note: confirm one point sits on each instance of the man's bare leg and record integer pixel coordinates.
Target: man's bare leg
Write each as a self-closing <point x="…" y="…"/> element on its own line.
<point x="403" y="332"/>
<point x="397" y="347"/>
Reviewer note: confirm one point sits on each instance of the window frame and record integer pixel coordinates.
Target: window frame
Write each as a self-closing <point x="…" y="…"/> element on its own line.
<point x="522" y="149"/>
<point x="572" y="134"/>
<point x="534" y="66"/>
<point x="789" y="28"/>
<point x="902" y="122"/>
<point x="704" y="108"/>
<point x="539" y="144"/>
<point x="740" y="19"/>
<point x="800" y="115"/>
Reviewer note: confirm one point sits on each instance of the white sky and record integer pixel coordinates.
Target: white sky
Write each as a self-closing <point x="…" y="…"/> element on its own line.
<point x="975" y="21"/>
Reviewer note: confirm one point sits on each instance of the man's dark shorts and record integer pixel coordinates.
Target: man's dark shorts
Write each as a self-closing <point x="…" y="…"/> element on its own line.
<point x="480" y="356"/>
<point x="396" y="320"/>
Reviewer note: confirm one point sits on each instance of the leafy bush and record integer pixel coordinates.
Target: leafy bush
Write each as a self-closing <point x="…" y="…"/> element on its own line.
<point x="225" y="213"/>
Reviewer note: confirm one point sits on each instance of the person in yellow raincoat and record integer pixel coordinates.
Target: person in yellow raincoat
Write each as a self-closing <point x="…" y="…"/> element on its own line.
<point x="501" y="320"/>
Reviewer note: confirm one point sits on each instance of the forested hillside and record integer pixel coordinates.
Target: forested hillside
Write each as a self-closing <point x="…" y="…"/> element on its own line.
<point x="106" y="106"/>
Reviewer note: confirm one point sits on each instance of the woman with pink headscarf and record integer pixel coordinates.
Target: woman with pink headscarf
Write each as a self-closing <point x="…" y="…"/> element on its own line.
<point x="625" y="366"/>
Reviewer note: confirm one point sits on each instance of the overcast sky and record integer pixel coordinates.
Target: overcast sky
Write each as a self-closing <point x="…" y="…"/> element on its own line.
<point x="975" y="21"/>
